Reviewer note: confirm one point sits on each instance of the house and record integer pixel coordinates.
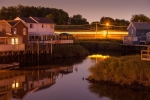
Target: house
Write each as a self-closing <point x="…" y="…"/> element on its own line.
<point x="137" y="33"/>
<point x="14" y="27"/>
<point x="39" y="28"/>
<point x="11" y="42"/>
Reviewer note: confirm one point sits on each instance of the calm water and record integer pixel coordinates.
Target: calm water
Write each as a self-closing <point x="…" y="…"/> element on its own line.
<point x="61" y="82"/>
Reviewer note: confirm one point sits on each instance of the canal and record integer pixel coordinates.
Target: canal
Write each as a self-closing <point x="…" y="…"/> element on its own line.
<point x="64" y="79"/>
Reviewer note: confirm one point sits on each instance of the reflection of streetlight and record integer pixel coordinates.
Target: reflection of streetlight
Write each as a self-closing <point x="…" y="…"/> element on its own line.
<point x="107" y="24"/>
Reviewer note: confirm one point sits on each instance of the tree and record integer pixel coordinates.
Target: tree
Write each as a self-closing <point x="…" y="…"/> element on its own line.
<point x="78" y="20"/>
<point x="50" y="16"/>
<point x="140" y="17"/>
<point x="105" y="20"/>
<point x="59" y="16"/>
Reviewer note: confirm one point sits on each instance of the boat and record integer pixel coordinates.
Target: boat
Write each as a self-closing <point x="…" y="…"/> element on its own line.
<point x="13" y="65"/>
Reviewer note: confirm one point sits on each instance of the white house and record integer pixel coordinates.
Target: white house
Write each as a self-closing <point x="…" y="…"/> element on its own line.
<point x="39" y="28"/>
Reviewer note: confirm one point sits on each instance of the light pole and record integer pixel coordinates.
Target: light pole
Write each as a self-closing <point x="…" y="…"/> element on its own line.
<point x="107" y="24"/>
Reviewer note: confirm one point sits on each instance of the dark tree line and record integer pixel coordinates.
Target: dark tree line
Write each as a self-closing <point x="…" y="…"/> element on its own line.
<point x="59" y="16"/>
<point x="78" y="20"/>
<point x="140" y="17"/>
<point x="114" y="22"/>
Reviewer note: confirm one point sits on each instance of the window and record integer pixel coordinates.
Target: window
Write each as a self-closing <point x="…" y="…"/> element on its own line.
<point x="42" y="26"/>
<point x="14" y="41"/>
<point x="15" y="30"/>
<point x="24" y="31"/>
<point x="31" y="25"/>
<point x="132" y="31"/>
<point x="51" y="26"/>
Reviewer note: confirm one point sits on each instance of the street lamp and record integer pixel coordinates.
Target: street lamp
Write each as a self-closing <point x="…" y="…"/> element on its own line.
<point x="107" y="24"/>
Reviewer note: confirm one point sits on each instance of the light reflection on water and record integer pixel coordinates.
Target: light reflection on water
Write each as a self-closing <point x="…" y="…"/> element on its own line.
<point x="61" y="82"/>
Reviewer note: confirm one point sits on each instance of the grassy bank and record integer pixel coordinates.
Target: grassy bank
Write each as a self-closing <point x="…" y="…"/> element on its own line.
<point x="126" y="71"/>
<point x="101" y="44"/>
<point x="69" y="51"/>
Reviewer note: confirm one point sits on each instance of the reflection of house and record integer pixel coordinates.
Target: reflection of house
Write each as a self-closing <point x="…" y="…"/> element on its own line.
<point x="137" y="32"/>
<point x="39" y="28"/>
<point x="10" y="84"/>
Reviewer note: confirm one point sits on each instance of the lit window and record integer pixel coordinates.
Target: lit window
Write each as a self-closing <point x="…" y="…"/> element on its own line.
<point x="13" y="41"/>
<point x="13" y="85"/>
<point x="24" y="31"/>
<point x="16" y="40"/>
<point x="15" y="30"/>
<point x="17" y="85"/>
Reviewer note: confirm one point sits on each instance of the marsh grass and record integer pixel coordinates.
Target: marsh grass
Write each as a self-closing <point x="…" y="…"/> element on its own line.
<point x="101" y="44"/>
<point x="69" y="51"/>
<point x="126" y="71"/>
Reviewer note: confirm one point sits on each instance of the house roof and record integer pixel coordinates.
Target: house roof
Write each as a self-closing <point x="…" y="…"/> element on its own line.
<point x="141" y="25"/>
<point x="42" y="20"/>
<point x="2" y="35"/>
<point x="12" y="22"/>
<point x="27" y="20"/>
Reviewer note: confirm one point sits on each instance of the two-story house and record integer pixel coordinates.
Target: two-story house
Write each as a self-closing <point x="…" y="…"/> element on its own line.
<point x="13" y="35"/>
<point x="137" y="33"/>
<point x="38" y="28"/>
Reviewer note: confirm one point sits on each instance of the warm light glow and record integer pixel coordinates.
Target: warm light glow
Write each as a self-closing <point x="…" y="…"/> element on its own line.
<point x="104" y="33"/>
<point x="17" y="85"/>
<point x="13" y="41"/>
<point x="13" y="85"/>
<point x="16" y="40"/>
<point x="107" y="24"/>
<point x="99" y="56"/>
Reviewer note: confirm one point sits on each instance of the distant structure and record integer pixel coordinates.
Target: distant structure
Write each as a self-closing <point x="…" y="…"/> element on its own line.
<point x="138" y="33"/>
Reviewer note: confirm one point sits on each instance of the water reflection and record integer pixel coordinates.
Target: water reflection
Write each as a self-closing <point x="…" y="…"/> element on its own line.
<point x="118" y="93"/>
<point x="18" y="83"/>
<point x="98" y="57"/>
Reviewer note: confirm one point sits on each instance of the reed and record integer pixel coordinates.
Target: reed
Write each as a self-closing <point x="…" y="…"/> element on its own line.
<point x="126" y="71"/>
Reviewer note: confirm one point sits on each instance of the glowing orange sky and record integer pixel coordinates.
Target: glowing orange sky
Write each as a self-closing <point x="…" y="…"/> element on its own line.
<point x="92" y="10"/>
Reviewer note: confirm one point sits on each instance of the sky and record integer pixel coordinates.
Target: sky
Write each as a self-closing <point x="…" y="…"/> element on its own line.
<point x="92" y="10"/>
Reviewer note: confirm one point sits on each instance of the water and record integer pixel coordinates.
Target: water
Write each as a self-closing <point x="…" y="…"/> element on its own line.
<point x="51" y="83"/>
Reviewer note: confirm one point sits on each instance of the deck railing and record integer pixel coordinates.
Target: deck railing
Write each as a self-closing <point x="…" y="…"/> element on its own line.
<point x="145" y="54"/>
<point x="11" y="47"/>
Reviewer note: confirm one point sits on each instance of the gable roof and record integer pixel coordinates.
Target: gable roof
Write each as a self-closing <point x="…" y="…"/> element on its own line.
<point x="12" y="22"/>
<point x="27" y="20"/>
<point x="140" y="25"/>
<point x="42" y="20"/>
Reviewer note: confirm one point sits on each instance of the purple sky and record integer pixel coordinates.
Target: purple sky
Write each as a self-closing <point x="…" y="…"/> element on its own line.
<point x="92" y="10"/>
